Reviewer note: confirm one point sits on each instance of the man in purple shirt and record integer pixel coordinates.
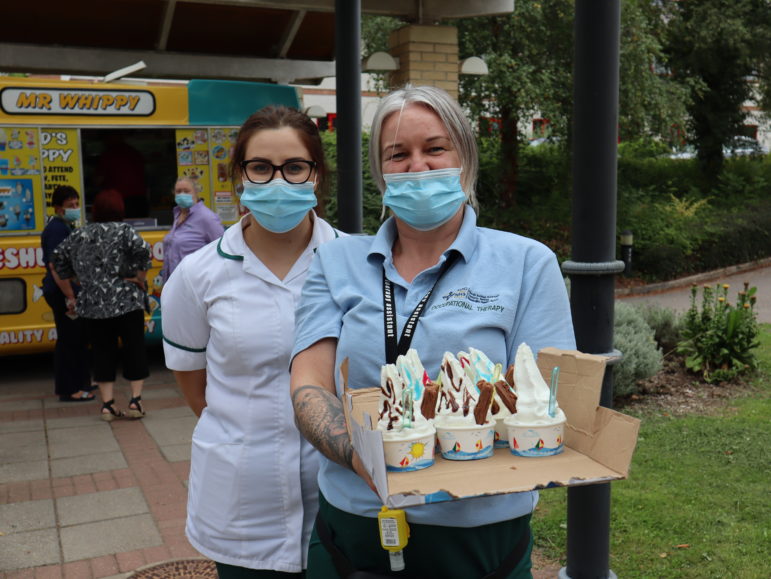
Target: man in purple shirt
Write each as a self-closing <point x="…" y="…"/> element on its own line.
<point x="195" y="225"/>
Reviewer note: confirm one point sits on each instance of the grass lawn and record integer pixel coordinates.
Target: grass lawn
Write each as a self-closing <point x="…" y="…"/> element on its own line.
<point x="698" y="499"/>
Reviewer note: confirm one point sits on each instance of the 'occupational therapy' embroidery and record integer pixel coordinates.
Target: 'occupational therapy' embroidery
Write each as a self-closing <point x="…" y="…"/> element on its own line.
<point x="467" y="299"/>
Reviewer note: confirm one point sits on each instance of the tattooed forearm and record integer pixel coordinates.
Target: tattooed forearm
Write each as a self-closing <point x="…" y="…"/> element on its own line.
<point x="321" y="421"/>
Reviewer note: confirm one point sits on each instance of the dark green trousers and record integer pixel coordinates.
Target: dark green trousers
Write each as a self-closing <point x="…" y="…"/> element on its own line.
<point x="233" y="572"/>
<point x="432" y="551"/>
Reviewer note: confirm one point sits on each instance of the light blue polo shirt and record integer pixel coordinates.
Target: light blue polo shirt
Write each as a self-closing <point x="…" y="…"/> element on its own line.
<point x="504" y="289"/>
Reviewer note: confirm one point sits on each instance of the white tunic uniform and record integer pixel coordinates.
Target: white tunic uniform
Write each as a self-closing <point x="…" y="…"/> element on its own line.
<point x="252" y="494"/>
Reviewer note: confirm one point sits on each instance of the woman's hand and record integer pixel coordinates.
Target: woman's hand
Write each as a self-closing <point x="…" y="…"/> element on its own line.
<point x="139" y="280"/>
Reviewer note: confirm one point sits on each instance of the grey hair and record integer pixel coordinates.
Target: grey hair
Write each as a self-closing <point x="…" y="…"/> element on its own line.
<point x="197" y="187"/>
<point x="451" y="115"/>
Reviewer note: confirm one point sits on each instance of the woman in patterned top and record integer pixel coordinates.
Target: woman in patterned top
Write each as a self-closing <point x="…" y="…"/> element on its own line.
<point x="110" y="260"/>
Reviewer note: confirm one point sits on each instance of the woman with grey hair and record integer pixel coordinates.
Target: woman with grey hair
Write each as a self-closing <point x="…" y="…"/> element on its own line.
<point x="438" y="282"/>
<point x="194" y="225"/>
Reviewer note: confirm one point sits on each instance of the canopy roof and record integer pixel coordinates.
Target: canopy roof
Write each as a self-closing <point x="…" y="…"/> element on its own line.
<point x="274" y="41"/>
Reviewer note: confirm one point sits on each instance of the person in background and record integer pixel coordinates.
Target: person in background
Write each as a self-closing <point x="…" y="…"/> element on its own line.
<point x="110" y="261"/>
<point x="72" y="377"/>
<point x="423" y="156"/>
<point x="228" y="328"/>
<point x="194" y="225"/>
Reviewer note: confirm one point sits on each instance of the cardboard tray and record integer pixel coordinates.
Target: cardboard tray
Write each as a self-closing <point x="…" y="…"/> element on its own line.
<point x="599" y="443"/>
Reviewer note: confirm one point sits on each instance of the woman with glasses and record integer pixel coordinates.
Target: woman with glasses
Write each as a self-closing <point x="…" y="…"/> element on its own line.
<point x="228" y="329"/>
<point x="194" y="225"/>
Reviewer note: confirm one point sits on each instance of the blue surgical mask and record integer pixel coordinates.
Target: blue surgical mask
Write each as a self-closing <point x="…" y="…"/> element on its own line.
<point x="184" y="200"/>
<point x="71" y="214"/>
<point x="277" y="205"/>
<point x="424" y="200"/>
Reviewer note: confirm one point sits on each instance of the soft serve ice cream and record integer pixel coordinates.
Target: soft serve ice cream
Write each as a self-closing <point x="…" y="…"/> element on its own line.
<point x="537" y="427"/>
<point x="463" y="422"/>
<point x="408" y="438"/>
<point x="479" y="368"/>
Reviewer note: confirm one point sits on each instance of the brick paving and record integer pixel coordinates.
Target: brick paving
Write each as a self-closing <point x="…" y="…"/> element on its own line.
<point x="162" y="483"/>
<point x="27" y="405"/>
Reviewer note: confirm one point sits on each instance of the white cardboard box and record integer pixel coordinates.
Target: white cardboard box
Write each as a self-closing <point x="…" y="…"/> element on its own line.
<point x="599" y="444"/>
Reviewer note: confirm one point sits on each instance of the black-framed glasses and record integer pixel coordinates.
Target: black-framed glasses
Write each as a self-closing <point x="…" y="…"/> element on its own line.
<point x="261" y="172"/>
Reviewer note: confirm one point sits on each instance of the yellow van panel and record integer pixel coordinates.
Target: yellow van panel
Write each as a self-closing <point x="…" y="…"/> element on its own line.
<point x="33" y="330"/>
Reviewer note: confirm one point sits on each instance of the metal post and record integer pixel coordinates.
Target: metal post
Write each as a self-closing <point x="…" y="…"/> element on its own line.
<point x="627" y="241"/>
<point x="592" y="269"/>
<point x="348" y="128"/>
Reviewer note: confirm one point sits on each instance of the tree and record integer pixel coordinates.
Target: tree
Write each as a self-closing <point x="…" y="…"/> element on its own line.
<point x="714" y="48"/>
<point x="529" y="56"/>
<point x="651" y="104"/>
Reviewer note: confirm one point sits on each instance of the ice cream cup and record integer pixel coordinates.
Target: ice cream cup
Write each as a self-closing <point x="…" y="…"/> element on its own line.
<point x="536" y="440"/>
<point x="501" y="433"/>
<point x="410" y="452"/>
<point x="466" y="442"/>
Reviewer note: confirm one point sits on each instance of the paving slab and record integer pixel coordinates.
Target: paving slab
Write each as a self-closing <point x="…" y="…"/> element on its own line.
<point x="31" y="549"/>
<point x="176" y="452"/>
<point x="85" y="440"/>
<point x="16" y="405"/>
<point x="108" y="537"/>
<point x="74" y="421"/>
<point x="23" y="471"/>
<point x="27" y="516"/>
<point x="22" y="425"/>
<point x="54" y="402"/>
<point x="22" y="446"/>
<point x="160" y="393"/>
<point x="101" y="506"/>
<point x="168" y="428"/>
<point x="88" y="464"/>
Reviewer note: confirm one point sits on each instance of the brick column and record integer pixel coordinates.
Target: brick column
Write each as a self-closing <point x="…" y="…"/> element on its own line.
<point x="428" y="55"/>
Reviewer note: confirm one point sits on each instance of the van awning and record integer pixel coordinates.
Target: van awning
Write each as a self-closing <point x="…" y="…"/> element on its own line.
<point x="284" y="41"/>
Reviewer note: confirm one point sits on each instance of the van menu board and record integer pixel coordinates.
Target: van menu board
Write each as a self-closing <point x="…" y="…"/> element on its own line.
<point x="60" y="150"/>
<point x="204" y="156"/>
<point x="19" y="178"/>
<point x="222" y="141"/>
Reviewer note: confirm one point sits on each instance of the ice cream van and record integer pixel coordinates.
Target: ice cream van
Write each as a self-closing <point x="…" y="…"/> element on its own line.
<point x="137" y="137"/>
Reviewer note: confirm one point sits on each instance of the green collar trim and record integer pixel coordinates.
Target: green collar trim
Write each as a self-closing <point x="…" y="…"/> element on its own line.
<point x="181" y="347"/>
<point x="222" y="253"/>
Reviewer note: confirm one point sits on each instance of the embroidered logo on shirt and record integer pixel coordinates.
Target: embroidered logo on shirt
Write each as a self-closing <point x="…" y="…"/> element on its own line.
<point x="467" y="299"/>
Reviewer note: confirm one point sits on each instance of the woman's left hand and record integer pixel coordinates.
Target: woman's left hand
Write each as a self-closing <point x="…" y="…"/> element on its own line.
<point x="139" y="282"/>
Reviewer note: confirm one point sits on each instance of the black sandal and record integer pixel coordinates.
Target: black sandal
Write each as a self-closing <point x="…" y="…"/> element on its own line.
<point x="112" y="414"/>
<point x="137" y="412"/>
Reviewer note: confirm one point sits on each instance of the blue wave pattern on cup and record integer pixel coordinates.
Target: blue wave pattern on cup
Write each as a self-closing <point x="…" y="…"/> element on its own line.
<point x="466" y="444"/>
<point x="537" y="441"/>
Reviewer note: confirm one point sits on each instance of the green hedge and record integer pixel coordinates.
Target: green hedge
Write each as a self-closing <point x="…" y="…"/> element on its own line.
<point x="679" y="226"/>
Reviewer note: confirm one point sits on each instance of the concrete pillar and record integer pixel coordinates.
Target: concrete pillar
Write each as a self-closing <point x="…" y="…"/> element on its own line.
<point x="428" y="55"/>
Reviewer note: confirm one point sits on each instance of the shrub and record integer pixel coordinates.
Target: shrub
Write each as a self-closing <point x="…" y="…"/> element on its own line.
<point x="635" y="339"/>
<point x="719" y="338"/>
<point x="665" y="323"/>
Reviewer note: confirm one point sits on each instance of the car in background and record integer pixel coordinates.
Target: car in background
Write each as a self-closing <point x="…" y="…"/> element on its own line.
<point x="550" y="140"/>
<point x="742" y="146"/>
<point x="686" y="152"/>
<point x="738" y="146"/>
